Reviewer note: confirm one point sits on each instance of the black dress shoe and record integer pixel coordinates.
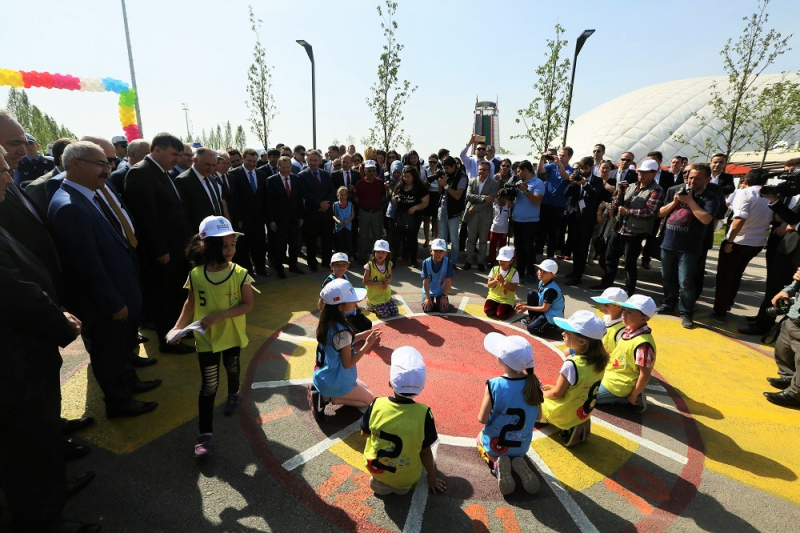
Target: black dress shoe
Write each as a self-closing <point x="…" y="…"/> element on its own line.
<point x="179" y="349"/>
<point x="282" y="274"/>
<point x="141" y="339"/>
<point x="144" y="386"/>
<point x="141" y="362"/>
<point x="313" y="268"/>
<point x="262" y="272"/>
<point x="780" y="383"/>
<point x="783" y="399"/>
<point x="74" y="450"/>
<point x="296" y="270"/>
<point x="75" y="424"/>
<point x="132" y="408"/>
<point x="753" y="329"/>
<point x="74" y="486"/>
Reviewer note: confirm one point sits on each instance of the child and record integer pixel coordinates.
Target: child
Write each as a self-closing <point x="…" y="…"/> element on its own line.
<point x="546" y="303"/>
<point x="611" y="305"/>
<point x="343" y="215"/>
<point x="503" y="282"/>
<point x="399" y="431"/>
<point x="437" y="274"/>
<point x="498" y="233"/>
<point x="220" y="294"/>
<point x="377" y="280"/>
<point x="339" y="266"/>
<point x="335" y="376"/>
<point x="509" y="410"/>
<point x="631" y="363"/>
<point x="569" y="403"/>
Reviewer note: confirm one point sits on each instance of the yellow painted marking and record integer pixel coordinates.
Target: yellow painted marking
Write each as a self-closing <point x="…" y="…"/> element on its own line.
<point x="301" y="361"/>
<point x="351" y="451"/>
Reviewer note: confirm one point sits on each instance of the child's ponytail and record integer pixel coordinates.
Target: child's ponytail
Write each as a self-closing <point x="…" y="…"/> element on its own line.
<point x="533" y="391"/>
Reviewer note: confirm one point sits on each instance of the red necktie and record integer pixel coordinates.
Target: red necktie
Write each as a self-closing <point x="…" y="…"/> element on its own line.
<point x="286" y="186"/>
<point x="316" y="175"/>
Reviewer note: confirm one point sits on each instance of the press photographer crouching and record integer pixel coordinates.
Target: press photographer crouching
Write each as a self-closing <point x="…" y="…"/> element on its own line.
<point x="787" y="347"/>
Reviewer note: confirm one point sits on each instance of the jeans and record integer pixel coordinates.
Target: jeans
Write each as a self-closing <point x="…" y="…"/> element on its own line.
<point x="629" y="246"/>
<point x="678" y="270"/>
<point x="448" y="230"/>
<point x="524" y="236"/>
<point x="605" y="397"/>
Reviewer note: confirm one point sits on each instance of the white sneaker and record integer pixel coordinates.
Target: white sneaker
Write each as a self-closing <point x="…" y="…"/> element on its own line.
<point x="529" y="480"/>
<point x="504" y="478"/>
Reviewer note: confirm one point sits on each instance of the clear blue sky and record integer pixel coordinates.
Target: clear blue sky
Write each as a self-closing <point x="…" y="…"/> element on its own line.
<point x="198" y="52"/>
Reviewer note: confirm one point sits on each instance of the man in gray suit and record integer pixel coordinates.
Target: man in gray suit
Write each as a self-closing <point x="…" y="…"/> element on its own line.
<point x="478" y="214"/>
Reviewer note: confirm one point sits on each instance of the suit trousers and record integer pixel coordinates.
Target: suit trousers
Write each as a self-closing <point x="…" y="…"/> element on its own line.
<point x="524" y="236"/>
<point x="550" y="218"/>
<point x="787" y="355"/>
<point x="253" y="245"/>
<point x="730" y="269"/>
<point x="478" y="226"/>
<point x="163" y="289"/>
<point x="109" y="346"/>
<point x="581" y="229"/>
<point x="287" y="234"/>
<point x="318" y="228"/>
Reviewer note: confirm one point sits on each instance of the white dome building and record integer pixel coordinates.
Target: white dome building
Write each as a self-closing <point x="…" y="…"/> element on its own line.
<point x="641" y="121"/>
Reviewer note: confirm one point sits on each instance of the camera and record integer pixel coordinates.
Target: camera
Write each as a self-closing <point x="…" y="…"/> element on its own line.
<point x="790" y="186"/>
<point x="510" y="189"/>
<point x="781" y="308"/>
<point x="686" y="190"/>
<point x="436" y="175"/>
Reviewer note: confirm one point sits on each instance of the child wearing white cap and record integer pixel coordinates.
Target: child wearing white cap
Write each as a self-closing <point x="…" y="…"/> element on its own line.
<point x="335" y="375"/>
<point x="400" y="431"/>
<point x="339" y="265"/>
<point x="503" y="283"/>
<point x="632" y="361"/>
<point x="569" y="403"/>
<point x="437" y="274"/>
<point x="610" y="303"/>
<point x="508" y="412"/>
<point x="220" y="294"/>
<point x="546" y="303"/>
<point x="378" y="279"/>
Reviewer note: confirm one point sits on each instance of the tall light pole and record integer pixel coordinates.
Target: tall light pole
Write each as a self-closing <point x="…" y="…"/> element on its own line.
<point x="133" y="73"/>
<point x="310" y="52"/>
<point x="185" y="108"/>
<point x="578" y="45"/>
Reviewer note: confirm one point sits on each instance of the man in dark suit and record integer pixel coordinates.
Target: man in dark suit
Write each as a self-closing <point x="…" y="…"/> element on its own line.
<point x="318" y="195"/>
<point x="247" y="186"/>
<point x="718" y="175"/>
<point x="348" y="177"/>
<point x="104" y="289"/>
<point x="36" y="189"/>
<point x="163" y="231"/>
<point x="137" y="150"/>
<point x="284" y="201"/>
<point x="184" y="161"/>
<point x="625" y="171"/>
<point x="199" y="191"/>
<point x="223" y="182"/>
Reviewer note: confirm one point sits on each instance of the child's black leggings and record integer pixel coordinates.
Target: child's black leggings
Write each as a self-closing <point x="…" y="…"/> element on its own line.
<point x="209" y="370"/>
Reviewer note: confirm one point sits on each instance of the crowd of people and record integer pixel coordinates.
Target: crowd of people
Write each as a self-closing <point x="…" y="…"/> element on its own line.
<point x="109" y="237"/>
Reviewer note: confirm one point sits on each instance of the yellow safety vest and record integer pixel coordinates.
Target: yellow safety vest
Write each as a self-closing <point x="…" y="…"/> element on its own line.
<point x="622" y="372"/>
<point x="219" y="291"/>
<point x="610" y="338"/>
<point x="500" y="294"/>
<point x="577" y="404"/>
<point x="375" y="295"/>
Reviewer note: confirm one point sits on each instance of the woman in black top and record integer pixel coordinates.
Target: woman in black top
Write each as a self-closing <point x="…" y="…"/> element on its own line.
<point x="411" y="198"/>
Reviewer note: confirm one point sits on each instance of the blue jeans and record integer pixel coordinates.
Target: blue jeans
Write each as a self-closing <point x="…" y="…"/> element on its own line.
<point x="448" y="230"/>
<point x="679" y="270"/>
<point x="605" y="397"/>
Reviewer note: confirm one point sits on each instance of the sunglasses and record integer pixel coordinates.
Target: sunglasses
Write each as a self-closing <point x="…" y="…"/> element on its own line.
<point x="625" y="159"/>
<point x="598" y="151"/>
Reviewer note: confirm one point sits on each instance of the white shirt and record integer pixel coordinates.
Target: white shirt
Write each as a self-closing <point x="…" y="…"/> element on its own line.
<point x="286" y="182"/>
<point x="750" y="206"/>
<point x="500" y="220"/>
<point x="203" y="181"/>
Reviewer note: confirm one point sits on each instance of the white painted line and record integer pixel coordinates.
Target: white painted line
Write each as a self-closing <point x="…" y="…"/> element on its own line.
<point x="280" y="383"/>
<point x="650" y="445"/>
<point x="419" y="500"/>
<point x="463" y="305"/>
<point x="463" y="442"/>
<point x="575" y="512"/>
<point x="404" y="305"/>
<point x="663" y="405"/>
<point x="296" y="339"/>
<point x="320" y="447"/>
<point x="655" y="387"/>
<point x="544" y="432"/>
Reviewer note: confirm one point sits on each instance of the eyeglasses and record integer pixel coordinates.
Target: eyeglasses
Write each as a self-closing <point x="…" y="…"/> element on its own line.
<point x="480" y="149"/>
<point x="504" y="166"/>
<point x="111" y="160"/>
<point x="98" y="164"/>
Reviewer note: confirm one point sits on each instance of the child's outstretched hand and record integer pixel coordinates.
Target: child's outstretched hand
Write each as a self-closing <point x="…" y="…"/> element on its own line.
<point x="546" y="386"/>
<point x="521" y="307"/>
<point x="373" y="338"/>
<point x="437" y="485"/>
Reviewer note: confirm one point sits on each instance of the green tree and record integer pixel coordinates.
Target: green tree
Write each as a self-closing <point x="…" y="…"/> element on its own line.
<point x="240" y="139"/>
<point x="733" y="107"/>
<point x="777" y="115"/>
<point x="227" y="139"/>
<point x="389" y="94"/>
<point x="547" y="111"/>
<point x="33" y="120"/>
<point x="259" y="88"/>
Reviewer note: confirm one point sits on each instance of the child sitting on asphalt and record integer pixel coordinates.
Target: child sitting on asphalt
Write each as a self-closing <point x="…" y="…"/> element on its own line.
<point x="545" y="303"/>
<point x="339" y="265"/>
<point x="610" y="303"/>
<point x="378" y="279"/>
<point x="437" y="274"/>
<point x="399" y="431"/>
<point x="631" y="363"/>
<point x="503" y="283"/>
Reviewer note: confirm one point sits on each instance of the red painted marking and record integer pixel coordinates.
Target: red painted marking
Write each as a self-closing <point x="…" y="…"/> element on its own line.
<point x="339" y="474"/>
<point x="639" y="503"/>
<point x="353" y="501"/>
<point x="508" y="519"/>
<point x="643" y="483"/>
<point x="479" y="517"/>
<point x="263" y="418"/>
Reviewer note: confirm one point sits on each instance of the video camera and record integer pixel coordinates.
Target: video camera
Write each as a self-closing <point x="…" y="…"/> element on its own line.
<point x="789" y="187"/>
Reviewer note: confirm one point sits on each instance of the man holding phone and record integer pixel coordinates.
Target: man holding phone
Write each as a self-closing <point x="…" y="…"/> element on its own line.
<point x="471" y="161"/>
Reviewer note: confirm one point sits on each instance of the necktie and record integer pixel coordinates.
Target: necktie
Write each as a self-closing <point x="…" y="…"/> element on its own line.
<point x="347" y="178"/>
<point x="212" y="191"/>
<point x="253" y="181"/>
<point x="286" y="186"/>
<point x="109" y="216"/>
<point x="316" y="175"/>
<point x="126" y="227"/>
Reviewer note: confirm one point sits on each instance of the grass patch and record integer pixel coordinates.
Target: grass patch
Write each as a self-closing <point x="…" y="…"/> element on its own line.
<point x="719" y="236"/>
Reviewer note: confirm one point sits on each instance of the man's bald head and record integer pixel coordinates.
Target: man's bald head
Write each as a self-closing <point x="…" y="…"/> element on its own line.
<point x="12" y="138"/>
<point x="103" y="143"/>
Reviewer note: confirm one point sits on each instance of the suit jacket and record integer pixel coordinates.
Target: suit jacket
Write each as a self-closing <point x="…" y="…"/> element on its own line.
<point x="629" y="175"/>
<point x="36" y="190"/>
<point x="175" y="172"/>
<point x="251" y="205"/>
<point x="32" y="324"/>
<point x="490" y="188"/>
<point x="195" y="198"/>
<point x="315" y="192"/>
<point x="280" y="209"/>
<point x="726" y="183"/>
<point x="666" y="179"/>
<point x="338" y="181"/>
<point x="161" y="223"/>
<point x="117" y="178"/>
<point x="99" y="264"/>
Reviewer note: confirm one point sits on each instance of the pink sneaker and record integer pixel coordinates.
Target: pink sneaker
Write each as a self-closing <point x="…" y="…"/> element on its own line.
<point x="203" y="446"/>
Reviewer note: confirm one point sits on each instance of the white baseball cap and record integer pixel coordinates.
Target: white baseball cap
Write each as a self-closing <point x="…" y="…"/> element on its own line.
<point x="381" y="246"/>
<point x="407" y="374"/>
<point x="642" y="303"/>
<point x="583" y="323"/>
<point x="341" y="291"/>
<point x="439" y="244"/>
<point x="119" y="139"/>
<point x="369" y="163"/>
<point x="612" y="295"/>
<point x="506" y="253"/>
<point x="515" y="351"/>
<point x="339" y="257"/>
<point x="548" y="265"/>
<point x="648" y="165"/>
<point x="214" y="226"/>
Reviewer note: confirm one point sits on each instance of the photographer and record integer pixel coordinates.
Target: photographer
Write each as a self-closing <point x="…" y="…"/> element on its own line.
<point x="452" y="185"/>
<point x="554" y="171"/>
<point x="787" y="350"/>
<point x="583" y="196"/>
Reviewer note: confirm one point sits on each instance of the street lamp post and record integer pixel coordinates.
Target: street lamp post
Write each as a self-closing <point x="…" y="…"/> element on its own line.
<point x="310" y="52"/>
<point x="578" y="45"/>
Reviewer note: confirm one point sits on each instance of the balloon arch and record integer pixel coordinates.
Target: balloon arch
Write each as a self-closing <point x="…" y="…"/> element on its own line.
<point x="127" y="96"/>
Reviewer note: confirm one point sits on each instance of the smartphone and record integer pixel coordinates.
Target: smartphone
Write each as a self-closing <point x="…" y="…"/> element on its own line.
<point x="480" y="138"/>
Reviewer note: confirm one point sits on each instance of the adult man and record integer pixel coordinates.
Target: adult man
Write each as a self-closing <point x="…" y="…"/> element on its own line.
<point x="228" y="202"/>
<point x="299" y="159"/>
<point x="104" y="287"/>
<point x="319" y="195"/>
<point x="598" y="154"/>
<point x="235" y="157"/>
<point x="745" y="239"/>
<point x="271" y="168"/>
<point x="333" y="153"/>
<point x="368" y="195"/>
<point x="525" y="218"/>
<point x="347" y="177"/>
<point x="36" y="189"/>
<point x="33" y="164"/>
<point x="787" y="350"/>
<point x="201" y="196"/>
<point x="184" y="162"/>
<point x="163" y="231"/>
<point x="481" y="193"/>
<point x="665" y="180"/>
<point x="351" y="150"/>
<point x="688" y="210"/>
<point x="625" y="171"/>
<point x="136" y="150"/>
<point x="584" y="194"/>
<point x="554" y="172"/>
<point x="286" y="151"/>
<point x="719" y="176"/>
<point x="471" y="161"/>
<point x="676" y="166"/>
<point x="120" y="143"/>
<point x="495" y="161"/>
<point x="452" y="186"/>
<point x="247" y="186"/>
<point x="284" y="216"/>
<point x="637" y="208"/>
